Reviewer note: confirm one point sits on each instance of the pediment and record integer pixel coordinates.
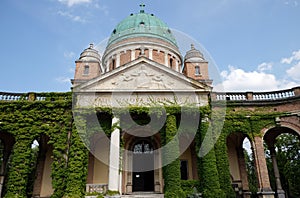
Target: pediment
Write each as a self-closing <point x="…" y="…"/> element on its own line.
<point x="142" y="75"/>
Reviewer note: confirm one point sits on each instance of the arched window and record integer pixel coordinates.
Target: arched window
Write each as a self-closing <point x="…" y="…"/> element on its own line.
<point x="171" y="62"/>
<point x="142" y="24"/>
<point x="143" y="147"/>
<point x="86" y="70"/>
<point x="113" y="64"/>
<point x="184" y="169"/>
<point x="197" y="70"/>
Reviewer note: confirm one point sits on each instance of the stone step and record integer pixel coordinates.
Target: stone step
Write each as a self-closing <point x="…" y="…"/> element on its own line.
<point x="143" y="195"/>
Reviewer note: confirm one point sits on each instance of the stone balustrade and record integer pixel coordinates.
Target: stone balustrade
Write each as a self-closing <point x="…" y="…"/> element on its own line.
<point x="7" y="96"/>
<point x="216" y="96"/>
<point x="256" y="96"/>
<point x="13" y="96"/>
<point x="96" y="188"/>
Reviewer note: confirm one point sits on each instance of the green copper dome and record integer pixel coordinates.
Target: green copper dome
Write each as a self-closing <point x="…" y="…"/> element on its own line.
<point x="142" y="25"/>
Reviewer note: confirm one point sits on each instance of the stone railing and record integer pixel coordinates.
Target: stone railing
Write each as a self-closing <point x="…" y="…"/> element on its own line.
<point x="48" y="96"/>
<point x="96" y="188"/>
<point x="13" y="96"/>
<point x="256" y="96"/>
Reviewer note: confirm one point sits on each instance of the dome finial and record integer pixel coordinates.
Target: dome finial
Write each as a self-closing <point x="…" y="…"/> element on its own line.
<point x="192" y="46"/>
<point x="142" y="8"/>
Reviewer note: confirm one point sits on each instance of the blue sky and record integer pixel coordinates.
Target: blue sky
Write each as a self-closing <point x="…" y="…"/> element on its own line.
<point x="255" y="43"/>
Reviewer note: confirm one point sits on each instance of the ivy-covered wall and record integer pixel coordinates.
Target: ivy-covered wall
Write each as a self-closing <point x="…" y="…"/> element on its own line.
<point x="26" y="121"/>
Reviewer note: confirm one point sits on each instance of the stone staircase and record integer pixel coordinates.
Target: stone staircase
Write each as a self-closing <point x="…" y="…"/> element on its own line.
<point x="143" y="195"/>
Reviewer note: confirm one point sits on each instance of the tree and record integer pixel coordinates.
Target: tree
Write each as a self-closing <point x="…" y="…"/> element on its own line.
<point x="287" y="148"/>
<point x="252" y="179"/>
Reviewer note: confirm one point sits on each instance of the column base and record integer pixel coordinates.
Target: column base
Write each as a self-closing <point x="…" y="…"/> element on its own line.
<point x="157" y="187"/>
<point x="280" y="194"/>
<point x="128" y="189"/>
<point x="266" y="194"/>
<point x="247" y="194"/>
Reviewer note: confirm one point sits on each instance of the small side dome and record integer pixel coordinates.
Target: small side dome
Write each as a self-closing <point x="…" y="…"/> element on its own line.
<point x="193" y="55"/>
<point x="90" y="54"/>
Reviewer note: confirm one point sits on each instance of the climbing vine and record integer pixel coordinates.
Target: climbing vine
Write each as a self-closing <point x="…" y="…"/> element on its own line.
<point x="53" y="117"/>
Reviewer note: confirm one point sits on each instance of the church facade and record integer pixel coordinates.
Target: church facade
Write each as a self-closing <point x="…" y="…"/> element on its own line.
<point x="142" y="120"/>
<point x="142" y="67"/>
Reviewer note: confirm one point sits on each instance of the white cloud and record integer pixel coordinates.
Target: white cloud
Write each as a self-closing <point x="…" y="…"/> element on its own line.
<point x="239" y="80"/>
<point x="265" y="67"/>
<point x="103" y="8"/>
<point x="291" y="3"/>
<point x="69" y="55"/>
<point x="72" y="17"/>
<point x="74" y="2"/>
<point x="295" y="57"/>
<point x="63" y="80"/>
<point x="261" y="79"/>
<point x="71" y="70"/>
<point x="294" y="72"/>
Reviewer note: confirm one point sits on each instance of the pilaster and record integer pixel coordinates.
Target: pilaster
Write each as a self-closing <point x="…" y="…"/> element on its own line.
<point x="264" y="186"/>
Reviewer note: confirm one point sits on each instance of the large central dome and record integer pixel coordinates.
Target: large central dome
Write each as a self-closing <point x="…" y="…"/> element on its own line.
<point x="142" y="25"/>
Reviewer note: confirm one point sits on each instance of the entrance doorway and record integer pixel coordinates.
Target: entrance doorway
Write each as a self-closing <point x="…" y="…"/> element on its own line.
<point x="143" y="166"/>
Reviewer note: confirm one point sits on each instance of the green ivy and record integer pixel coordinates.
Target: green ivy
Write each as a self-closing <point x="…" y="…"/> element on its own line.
<point x="207" y="167"/>
<point x="28" y="120"/>
<point x="171" y="171"/>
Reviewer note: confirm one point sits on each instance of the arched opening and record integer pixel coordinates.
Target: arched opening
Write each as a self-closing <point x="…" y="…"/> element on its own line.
<point x="143" y="166"/>
<point x="1" y="155"/>
<point x="98" y="164"/>
<point x="142" y="170"/>
<point x="42" y="180"/>
<point x="240" y="163"/>
<point x="6" y="145"/>
<point x="171" y="62"/>
<point x="113" y="64"/>
<point x="250" y="166"/>
<point x="282" y="147"/>
<point x="35" y="147"/>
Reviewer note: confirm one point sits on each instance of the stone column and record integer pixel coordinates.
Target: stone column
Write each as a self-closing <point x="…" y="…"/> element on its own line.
<point x="114" y="155"/>
<point x="166" y="59"/>
<point x="151" y="54"/>
<point x="1" y="183"/>
<point x="264" y="186"/>
<point x="177" y="65"/>
<point x="157" y="162"/>
<point x="132" y="54"/>
<point x="249" y="95"/>
<point x="129" y="172"/>
<point x="243" y="172"/>
<point x="118" y="60"/>
<point x="280" y="191"/>
<point x="108" y="65"/>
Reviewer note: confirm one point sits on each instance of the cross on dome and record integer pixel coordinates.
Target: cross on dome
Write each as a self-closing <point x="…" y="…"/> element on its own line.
<point x="142" y="8"/>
